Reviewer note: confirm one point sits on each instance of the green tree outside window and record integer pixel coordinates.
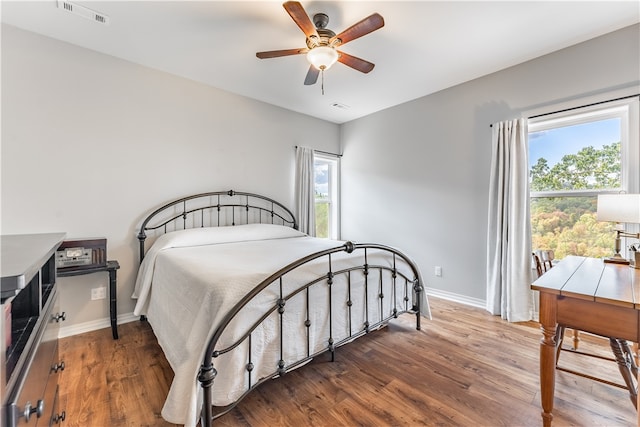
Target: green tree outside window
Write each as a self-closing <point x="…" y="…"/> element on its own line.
<point x="568" y="225"/>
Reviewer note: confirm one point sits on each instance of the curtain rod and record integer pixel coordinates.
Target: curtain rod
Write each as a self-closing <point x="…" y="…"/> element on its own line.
<point x="323" y="152"/>
<point x="581" y="106"/>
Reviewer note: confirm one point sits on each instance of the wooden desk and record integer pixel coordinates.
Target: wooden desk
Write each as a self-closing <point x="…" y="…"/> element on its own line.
<point x="589" y="295"/>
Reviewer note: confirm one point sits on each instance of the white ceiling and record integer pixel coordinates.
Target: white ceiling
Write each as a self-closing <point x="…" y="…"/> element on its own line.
<point x="424" y="47"/>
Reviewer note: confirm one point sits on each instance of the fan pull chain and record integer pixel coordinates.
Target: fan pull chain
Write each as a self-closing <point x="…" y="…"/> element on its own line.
<point x="322" y="79"/>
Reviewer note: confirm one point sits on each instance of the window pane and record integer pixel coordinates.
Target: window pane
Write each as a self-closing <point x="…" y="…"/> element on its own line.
<point x="579" y="157"/>
<point x="325" y="177"/>
<point x="322" y="219"/>
<point x="322" y="196"/>
<point x="321" y="179"/>
<point x="568" y="226"/>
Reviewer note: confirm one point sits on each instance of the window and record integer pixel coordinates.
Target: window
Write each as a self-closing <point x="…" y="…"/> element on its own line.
<point x="574" y="156"/>
<point x="326" y="191"/>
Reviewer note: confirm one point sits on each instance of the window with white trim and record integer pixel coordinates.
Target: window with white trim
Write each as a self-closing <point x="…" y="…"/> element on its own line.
<point x="326" y="176"/>
<point x="575" y="155"/>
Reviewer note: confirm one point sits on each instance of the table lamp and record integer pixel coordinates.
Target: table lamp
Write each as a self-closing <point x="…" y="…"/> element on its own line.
<point x="619" y="208"/>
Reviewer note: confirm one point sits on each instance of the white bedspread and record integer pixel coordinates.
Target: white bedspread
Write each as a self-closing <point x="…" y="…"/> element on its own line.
<point x="189" y="280"/>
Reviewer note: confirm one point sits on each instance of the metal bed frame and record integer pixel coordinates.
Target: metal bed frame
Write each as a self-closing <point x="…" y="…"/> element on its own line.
<point x="232" y="208"/>
<point x="214" y="209"/>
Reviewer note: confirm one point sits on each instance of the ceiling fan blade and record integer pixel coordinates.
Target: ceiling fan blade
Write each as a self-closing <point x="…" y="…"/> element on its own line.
<point x="359" y="29"/>
<point x="278" y="53"/>
<point x="300" y="17"/>
<point x="312" y="76"/>
<point x="355" y="62"/>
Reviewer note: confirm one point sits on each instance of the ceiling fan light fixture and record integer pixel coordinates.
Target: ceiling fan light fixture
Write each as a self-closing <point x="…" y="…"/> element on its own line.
<point x="322" y="57"/>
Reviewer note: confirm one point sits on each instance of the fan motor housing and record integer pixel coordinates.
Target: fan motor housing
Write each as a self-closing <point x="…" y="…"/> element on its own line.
<point x="320" y="20"/>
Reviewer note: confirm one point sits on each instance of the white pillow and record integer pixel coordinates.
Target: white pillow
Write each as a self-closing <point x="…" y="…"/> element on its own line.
<point x="226" y="234"/>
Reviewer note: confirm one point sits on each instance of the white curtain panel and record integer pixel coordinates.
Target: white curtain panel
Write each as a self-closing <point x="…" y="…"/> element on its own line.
<point x="509" y="234"/>
<point x="305" y="189"/>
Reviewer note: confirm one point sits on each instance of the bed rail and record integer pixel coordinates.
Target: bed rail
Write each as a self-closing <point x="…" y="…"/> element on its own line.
<point x="401" y="285"/>
<point x="214" y="209"/>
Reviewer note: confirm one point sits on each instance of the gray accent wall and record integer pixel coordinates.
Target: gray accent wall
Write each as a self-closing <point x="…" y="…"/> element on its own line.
<point x="416" y="176"/>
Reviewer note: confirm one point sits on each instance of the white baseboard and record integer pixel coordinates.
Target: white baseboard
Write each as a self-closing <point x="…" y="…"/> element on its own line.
<point x="94" y="325"/>
<point x="462" y="299"/>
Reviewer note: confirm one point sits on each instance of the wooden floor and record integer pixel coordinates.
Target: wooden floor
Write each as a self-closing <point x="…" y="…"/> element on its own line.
<point x="465" y="368"/>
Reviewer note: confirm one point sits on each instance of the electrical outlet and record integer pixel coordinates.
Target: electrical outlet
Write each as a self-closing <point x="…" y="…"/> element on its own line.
<point x="438" y="271"/>
<point x="99" y="293"/>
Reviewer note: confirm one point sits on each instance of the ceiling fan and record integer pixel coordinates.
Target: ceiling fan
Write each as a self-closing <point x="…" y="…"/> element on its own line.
<point x="322" y="43"/>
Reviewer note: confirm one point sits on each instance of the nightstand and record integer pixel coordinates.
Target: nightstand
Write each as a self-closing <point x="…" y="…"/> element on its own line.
<point x="111" y="268"/>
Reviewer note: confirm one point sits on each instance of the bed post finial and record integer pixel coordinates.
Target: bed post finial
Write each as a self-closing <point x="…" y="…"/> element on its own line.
<point x="417" y="288"/>
<point x="206" y="376"/>
<point x="141" y="238"/>
<point x="349" y="247"/>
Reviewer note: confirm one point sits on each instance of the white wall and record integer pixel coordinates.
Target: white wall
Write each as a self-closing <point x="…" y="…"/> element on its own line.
<point x="416" y="176"/>
<point x="90" y="143"/>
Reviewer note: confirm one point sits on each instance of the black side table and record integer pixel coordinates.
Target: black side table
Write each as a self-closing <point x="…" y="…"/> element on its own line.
<point x="111" y="268"/>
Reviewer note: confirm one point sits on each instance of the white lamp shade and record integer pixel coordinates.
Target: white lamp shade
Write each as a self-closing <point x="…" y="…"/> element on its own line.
<point x="619" y="208"/>
<point x="322" y="57"/>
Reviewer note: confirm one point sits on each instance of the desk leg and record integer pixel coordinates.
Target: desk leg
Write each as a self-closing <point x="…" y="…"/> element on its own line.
<point x="113" y="303"/>
<point x="548" y="324"/>
<point x="626" y="365"/>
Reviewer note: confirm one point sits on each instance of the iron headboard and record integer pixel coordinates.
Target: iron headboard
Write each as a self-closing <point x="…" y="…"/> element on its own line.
<point x="215" y="209"/>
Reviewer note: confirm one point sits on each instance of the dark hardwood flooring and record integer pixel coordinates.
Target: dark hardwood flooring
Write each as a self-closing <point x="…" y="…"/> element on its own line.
<point x="465" y="368"/>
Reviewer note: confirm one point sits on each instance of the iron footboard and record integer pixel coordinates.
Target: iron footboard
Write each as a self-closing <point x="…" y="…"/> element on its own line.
<point x="404" y="287"/>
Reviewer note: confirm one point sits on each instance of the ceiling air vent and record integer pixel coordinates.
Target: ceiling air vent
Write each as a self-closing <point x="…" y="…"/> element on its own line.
<point x="340" y="105"/>
<point x="85" y="12"/>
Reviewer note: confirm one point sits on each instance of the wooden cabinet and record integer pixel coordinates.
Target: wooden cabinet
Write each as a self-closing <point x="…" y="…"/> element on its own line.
<point x="30" y="364"/>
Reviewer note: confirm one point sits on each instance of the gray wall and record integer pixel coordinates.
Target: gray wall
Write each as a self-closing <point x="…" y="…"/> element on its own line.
<point x="90" y="143"/>
<point x="416" y="176"/>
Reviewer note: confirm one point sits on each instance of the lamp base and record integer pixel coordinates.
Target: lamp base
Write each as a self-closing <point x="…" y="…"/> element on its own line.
<point x="617" y="259"/>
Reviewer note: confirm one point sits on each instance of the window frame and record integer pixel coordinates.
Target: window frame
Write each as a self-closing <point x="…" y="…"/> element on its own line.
<point x="628" y="110"/>
<point x="333" y="191"/>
